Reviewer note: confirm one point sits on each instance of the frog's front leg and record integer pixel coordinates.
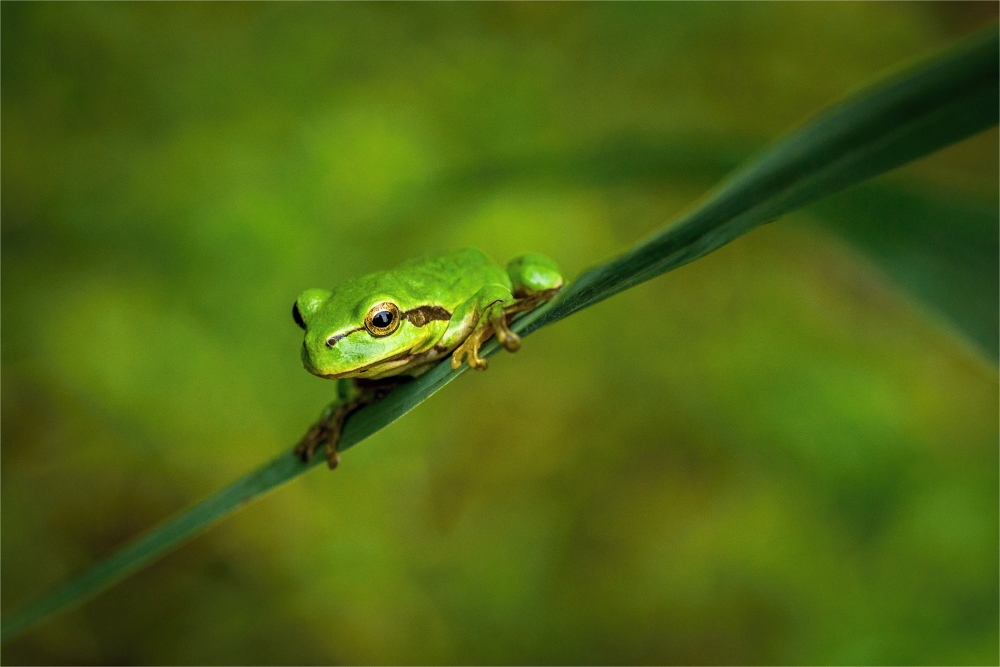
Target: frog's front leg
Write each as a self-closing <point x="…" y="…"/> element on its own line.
<point x="535" y="279"/>
<point x="352" y="395"/>
<point x="326" y="430"/>
<point x="474" y="321"/>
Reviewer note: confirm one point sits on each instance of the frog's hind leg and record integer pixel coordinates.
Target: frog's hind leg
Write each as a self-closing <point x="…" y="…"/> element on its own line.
<point x="535" y="279"/>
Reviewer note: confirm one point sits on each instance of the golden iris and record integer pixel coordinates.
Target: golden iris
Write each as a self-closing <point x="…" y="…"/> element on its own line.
<point x="382" y="319"/>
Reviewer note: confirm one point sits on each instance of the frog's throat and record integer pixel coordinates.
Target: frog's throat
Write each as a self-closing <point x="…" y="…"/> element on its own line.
<point x="360" y="371"/>
<point x="402" y="363"/>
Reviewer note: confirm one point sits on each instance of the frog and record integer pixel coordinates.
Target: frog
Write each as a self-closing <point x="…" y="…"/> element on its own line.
<point x="375" y="332"/>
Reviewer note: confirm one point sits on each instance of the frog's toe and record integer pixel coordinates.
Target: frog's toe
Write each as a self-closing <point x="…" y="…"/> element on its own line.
<point x="470" y="349"/>
<point x="325" y="432"/>
<point x="510" y="340"/>
<point x="332" y="456"/>
<point x="311" y="441"/>
<point x="474" y="360"/>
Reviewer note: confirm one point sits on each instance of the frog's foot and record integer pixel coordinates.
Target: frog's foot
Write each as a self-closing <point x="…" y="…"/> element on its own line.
<point x="498" y="318"/>
<point x="471" y="347"/>
<point x="530" y="301"/>
<point x="325" y="432"/>
<point x="353" y="394"/>
<point x="510" y="340"/>
<point x="493" y="321"/>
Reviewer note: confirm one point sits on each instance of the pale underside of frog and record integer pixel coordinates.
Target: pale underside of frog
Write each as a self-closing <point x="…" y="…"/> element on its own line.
<point x="373" y="332"/>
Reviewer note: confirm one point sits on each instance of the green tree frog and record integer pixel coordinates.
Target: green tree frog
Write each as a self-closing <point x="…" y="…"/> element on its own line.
<point x="373" y="332"/>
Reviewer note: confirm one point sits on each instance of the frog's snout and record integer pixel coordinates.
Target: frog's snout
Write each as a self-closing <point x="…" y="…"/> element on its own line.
<point x="321" y="365"/>
<point x="307" y="361"/>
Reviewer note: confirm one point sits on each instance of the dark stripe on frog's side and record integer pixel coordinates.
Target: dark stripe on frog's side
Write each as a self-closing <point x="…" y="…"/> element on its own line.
<point x="420" y="316"/>
<point x="417" y="317"/>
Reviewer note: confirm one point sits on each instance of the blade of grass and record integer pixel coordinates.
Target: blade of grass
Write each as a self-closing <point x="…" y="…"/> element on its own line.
<point x="935" y="104"/>
<point x="943" y="101"/>
<point x="942" y="251"/>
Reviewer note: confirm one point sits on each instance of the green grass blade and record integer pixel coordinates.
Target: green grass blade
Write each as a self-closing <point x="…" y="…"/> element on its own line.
<point x="199" y="517"/>
<point x="942" y="251"/>
<point x="942" y="101"/>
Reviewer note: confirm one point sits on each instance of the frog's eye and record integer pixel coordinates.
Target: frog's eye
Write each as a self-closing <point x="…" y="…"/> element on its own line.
<point x="297" y="316"/>
<point x="382" y="319"/>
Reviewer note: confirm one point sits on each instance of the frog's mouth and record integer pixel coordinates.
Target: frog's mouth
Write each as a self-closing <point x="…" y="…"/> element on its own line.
<point x="372" y="370"/>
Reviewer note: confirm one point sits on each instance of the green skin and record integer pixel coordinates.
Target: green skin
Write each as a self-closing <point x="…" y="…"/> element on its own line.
<point x="373" y="332"/>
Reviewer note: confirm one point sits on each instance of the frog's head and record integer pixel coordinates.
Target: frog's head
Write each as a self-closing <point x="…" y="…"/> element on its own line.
<point x="358" y="333"/>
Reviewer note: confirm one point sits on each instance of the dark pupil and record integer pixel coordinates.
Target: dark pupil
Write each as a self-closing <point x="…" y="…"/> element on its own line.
<point x="382" y="319"/>
<point x="297" y="316"/>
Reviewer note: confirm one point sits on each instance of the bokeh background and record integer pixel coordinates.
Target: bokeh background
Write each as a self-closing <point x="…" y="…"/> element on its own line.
<point x="785" y="452"/>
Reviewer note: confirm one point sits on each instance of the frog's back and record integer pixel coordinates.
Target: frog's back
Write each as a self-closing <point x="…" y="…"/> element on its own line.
<point x="452" y="278"/>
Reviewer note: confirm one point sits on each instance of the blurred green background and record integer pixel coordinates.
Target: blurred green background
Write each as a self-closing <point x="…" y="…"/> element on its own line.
<point x="785" y="452"/>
